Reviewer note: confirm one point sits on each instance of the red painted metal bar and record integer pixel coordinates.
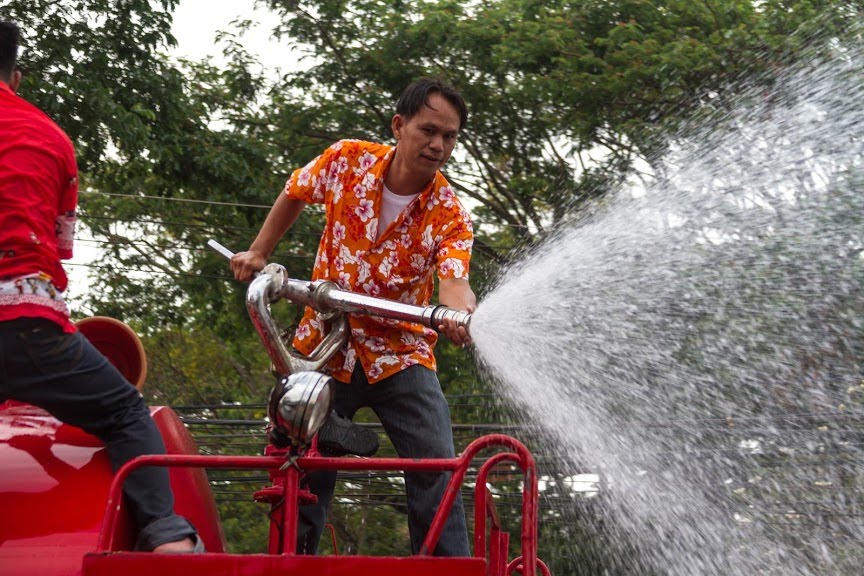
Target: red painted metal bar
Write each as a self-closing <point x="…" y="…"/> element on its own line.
<point x="105" y="542"/>
<point x="277" y="520"/>
<point x="517" y="564"/>
<point x="483" y="505"/>
<point x="527" y="464"/>
<point x="258" y="462"/>
<point x="494" y="566"/>
<point x="458" y="466"/>
<point x="290" y="510"/>
<point x="333" y="538"/>
<point x="530" y="498"/>
<point x="444" y="508"/>
<point x="499" y="547"/>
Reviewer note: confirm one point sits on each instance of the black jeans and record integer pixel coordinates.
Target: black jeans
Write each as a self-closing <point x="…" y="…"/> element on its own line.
<point x="66" y="376"/>
<point x="414" y="413"/>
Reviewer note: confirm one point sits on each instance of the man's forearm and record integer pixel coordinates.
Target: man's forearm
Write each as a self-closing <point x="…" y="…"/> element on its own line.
<point x="282" y="216"/>
<point x="457" y="293"/>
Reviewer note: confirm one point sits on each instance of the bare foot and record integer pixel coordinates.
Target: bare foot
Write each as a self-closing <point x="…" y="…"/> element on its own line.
<point x="177" y="547"/>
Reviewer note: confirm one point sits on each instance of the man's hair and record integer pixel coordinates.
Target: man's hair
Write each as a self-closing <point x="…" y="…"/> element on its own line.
<point x="417" y="94"/>
<point x="10" y="35"/>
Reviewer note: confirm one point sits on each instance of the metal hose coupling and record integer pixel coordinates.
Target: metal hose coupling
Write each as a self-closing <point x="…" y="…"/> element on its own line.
<point x="437" y="315"/>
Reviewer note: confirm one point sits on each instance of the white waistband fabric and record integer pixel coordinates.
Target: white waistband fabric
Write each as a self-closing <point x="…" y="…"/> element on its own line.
<point x="32" y="289"/>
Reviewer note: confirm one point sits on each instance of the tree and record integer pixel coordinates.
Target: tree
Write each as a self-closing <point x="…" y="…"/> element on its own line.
<point x="566" y="97"/>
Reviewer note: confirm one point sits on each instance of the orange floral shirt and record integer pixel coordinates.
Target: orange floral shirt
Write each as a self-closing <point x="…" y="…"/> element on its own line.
<point x="432" y="235"/>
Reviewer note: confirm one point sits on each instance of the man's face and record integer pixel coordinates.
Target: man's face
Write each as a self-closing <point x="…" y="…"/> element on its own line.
<point x="427" y="139"/>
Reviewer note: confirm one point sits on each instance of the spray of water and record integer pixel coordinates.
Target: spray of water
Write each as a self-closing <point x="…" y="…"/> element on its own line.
<point x="699" y="342"/>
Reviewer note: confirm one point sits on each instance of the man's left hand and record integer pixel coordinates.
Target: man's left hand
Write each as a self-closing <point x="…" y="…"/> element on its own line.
<point x="456" y="293"/>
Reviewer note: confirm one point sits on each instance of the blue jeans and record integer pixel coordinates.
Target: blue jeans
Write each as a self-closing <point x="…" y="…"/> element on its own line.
<point x="414" y="412"/>
<point x="66" y="376"/>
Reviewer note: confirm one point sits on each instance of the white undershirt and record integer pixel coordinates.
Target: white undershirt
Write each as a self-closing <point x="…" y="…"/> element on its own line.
<point x="392" y="205"/>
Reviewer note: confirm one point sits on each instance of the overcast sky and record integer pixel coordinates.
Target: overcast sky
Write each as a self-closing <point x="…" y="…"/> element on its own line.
<point x="196" y="23"/>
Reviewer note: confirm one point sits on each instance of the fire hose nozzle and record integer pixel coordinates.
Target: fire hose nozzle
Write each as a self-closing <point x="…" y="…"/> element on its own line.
<point x="326" y="296"/>
<point x="441" y="313"/>
<point x="273" y="284"/>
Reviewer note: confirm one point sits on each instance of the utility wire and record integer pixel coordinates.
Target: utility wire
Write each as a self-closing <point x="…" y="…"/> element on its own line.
<point x="175" y="199"/>
<point x="237" y="204"/>
<point x="139" y="270"/>
<point x="820" y="416"/>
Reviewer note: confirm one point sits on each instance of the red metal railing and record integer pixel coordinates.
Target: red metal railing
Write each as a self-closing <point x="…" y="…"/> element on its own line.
<point x="290" y="472"/>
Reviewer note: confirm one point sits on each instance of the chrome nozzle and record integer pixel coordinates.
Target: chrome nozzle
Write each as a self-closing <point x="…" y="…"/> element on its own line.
<point x="442" y="313"/>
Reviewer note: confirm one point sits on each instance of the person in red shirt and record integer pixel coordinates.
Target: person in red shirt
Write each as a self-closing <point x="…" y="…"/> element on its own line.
<point x="393" y="224"/>
<point x="44" y="360"/>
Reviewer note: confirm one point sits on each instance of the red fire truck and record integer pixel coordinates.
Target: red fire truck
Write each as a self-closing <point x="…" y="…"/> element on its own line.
<point x="63" y="514"/>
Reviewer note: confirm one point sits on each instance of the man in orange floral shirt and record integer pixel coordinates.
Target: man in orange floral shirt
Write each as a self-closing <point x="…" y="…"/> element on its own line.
<point x="393" y="224"/>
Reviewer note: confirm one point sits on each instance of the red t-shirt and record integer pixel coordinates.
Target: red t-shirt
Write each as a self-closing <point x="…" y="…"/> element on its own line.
<point x="38" y="197"/>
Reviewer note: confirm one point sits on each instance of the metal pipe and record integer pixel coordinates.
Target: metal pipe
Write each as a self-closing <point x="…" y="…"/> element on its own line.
<point x="326" y="296"/>
<point x="273" y="284"/>
<point x="258" y="299"/>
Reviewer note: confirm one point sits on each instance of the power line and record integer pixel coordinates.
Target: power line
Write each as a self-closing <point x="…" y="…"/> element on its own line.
<point x="828" y="415"/>
<point x="176" y="246"/>
<point x="175" y="199"/>
<point x="141" y="270"/>
<point x="215" y="226"/>
<point x="245" y="205"/>
<point x="221" y="228"/>
<point x="160" y="272"/>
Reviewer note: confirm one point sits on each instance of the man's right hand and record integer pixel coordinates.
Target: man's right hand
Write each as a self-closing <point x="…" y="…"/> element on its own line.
<point x="245" y="264"/>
